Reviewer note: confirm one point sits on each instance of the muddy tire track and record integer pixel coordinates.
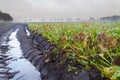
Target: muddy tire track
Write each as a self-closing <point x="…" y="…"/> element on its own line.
<point x="13" y="64"/>
<point x="4" y="70"/>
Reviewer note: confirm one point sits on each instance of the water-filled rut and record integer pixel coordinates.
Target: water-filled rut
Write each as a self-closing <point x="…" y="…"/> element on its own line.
<point x="13" y="65"/>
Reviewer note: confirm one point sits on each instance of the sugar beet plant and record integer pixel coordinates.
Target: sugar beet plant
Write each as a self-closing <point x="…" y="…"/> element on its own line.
<point x="91" y="44"/>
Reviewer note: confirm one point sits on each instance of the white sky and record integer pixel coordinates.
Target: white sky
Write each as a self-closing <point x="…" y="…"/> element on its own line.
<point x="37" y="9"/>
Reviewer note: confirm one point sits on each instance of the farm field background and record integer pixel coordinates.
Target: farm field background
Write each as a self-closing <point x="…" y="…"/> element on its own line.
<point x="88" y="43"/>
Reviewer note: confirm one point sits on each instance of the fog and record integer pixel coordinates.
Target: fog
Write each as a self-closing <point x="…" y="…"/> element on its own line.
<point x="39" y="9"/>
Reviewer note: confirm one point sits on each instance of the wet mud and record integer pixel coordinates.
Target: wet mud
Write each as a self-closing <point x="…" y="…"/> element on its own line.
<point x="13" y="64"/>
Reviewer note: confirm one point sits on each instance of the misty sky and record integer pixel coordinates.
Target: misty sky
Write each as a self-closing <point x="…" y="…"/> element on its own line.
<point x="37" y="9"/>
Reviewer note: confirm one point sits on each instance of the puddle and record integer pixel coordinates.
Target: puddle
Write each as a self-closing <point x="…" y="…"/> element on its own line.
<point x="28" y="33"/>
<point x="18" y="64"/>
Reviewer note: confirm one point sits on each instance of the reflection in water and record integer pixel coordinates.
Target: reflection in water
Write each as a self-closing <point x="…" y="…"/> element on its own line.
<point x="28" y="33"/>
<point x="26" y="71"/>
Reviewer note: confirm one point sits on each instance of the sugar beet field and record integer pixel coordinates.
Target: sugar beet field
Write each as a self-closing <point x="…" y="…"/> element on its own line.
<point x="83" y="46"/>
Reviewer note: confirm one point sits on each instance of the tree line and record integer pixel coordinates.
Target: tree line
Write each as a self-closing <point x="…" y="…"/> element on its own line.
<point x="5" y="17"/>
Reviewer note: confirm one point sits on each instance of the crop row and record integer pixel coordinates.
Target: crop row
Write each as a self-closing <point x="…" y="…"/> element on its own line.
<point x="90" y="44"/>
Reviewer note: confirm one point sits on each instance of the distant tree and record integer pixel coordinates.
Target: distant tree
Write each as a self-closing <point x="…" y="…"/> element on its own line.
<point x="110" y="18"/>
<point x="92" y="19"/>
<point x="78" y="19"/>
<point x="5" y="17"/>
<point x="43" y="20"/>
<point x="69" y="20"/>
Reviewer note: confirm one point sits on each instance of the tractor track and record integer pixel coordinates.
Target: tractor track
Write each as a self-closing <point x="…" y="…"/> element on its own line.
<point x="13" y="64"/>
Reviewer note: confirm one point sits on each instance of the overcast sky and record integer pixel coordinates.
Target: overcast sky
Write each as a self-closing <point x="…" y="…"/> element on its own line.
<point x="37" y="9"/>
